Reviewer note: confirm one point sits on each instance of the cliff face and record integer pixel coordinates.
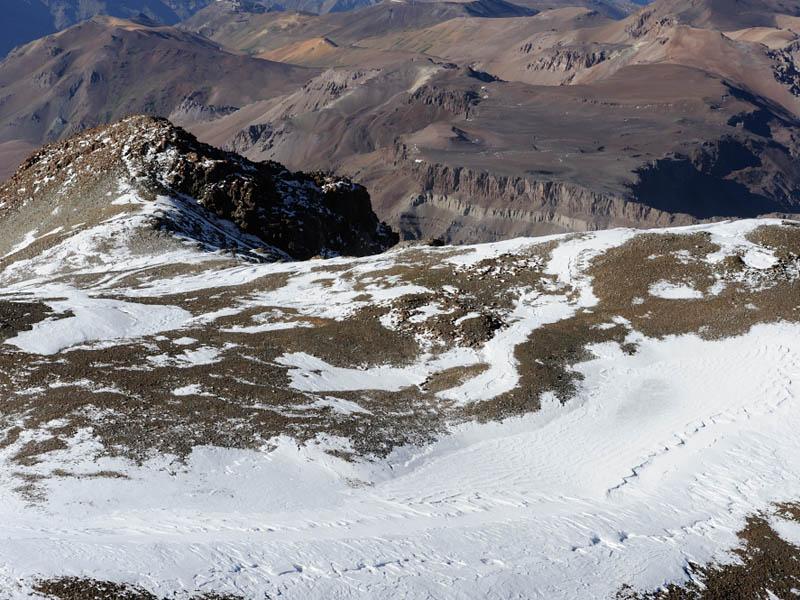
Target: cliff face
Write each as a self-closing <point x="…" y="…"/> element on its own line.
<point x="733" y="176"/>
<point x="298" y="214"/>
<point x="570" y="60"/>
<point x="460" y="204"/>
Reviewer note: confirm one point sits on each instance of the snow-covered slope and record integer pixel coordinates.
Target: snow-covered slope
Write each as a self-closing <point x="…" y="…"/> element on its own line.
<point x="540" y="418"/>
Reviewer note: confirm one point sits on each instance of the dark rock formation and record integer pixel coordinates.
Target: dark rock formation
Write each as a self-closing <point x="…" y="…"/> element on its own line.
<point x="457" y="102"/>
<point x="302" y="215"/>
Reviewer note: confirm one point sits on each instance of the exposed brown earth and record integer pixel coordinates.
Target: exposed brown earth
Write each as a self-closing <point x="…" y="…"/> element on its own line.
<point x="73" y="588"/>
<point x="19" y="316"/>
<point x="735" y="308"/>
<point x="766" y="566"/>
<point x="244" y="398"/>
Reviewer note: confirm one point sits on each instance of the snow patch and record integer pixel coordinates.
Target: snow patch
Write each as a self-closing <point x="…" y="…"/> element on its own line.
<point x="674" y="291"/>
<point x="760" y="258"/>
<point x="94" y="320"/>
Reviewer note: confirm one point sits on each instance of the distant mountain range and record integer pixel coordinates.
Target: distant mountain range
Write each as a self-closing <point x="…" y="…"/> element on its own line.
<point x="26" y="20"/>
<point x="467" y="121"/>
<point x="475" y="129"/>
<point x="106" y="68"/>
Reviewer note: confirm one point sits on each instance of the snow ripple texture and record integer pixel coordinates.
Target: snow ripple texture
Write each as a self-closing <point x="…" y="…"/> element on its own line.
<point x="657" y="460"/>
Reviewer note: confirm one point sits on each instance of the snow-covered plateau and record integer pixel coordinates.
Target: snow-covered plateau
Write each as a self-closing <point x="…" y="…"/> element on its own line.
<point x="576" y="416"/>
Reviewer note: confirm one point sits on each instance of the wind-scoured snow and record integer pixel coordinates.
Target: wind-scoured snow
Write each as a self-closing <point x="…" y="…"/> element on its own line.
<point x="310" y="374"/>
<point x="655" y="460"/>
<point x="83" y="319"/>
<point x="618" y="486"/>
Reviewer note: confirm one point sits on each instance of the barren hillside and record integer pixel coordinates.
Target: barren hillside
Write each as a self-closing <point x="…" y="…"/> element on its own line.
<point x="185" y="417"/>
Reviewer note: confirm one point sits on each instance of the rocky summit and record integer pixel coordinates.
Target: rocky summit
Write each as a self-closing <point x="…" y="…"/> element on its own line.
<point x="199" y="193"/>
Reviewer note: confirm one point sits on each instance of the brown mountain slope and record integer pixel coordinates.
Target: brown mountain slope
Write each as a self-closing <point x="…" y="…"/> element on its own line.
<point x="258" y="32"/>
<point x="10" y="154"/>
<point x="505" y="47"/>
<point x="660" y="122"/>
<point x="314" y="50"/>
<point x="105" y="68"/>
<point x="450" y="152"/>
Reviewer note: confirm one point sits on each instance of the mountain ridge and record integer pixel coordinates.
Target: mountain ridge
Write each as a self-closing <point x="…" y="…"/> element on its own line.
<point x="26" y="20"/>
<point x="203" y="195"/>
<point x="107" y="68"/>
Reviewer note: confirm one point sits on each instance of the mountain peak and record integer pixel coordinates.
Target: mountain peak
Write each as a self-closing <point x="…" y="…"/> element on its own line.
<point x="216" y="198"/>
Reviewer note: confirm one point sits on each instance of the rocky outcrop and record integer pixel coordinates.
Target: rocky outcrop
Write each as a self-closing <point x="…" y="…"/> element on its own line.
<point x="323" y="90"/>
<point x="194" y="108"/>
<point x="569" y="59"/>
<point x="785" y="67"/>
<point x="301" y="215"/>
<point x="644" y="22"/>
<point x="455" y="101"/>
<point x="250" y="136"/>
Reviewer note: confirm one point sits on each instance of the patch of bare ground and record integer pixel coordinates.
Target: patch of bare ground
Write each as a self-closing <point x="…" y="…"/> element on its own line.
<point x="766" y="566"/>
<point x="468" y="304"/>
<point x="388" y="420"/>
<point x="75" y="588"/>
<point x="450" y="378"/>
<point x="783" y="239"/>
<point x="788" y="510"/>
<point x="216" y="383"/>
<point x="20" y="316"/>
<point x="210" y="297"/>
<point x="733" y="298"/>
<point x="360" y="340"/>
<point x="92" y="475"/>
<point x="545" y="365"/>
<point x="31" y="451"/>
<point x="136" y="406"/>
<point x="489" y="283"/>
<point x="202" y="385"/>
<point x="29" y="487"/>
